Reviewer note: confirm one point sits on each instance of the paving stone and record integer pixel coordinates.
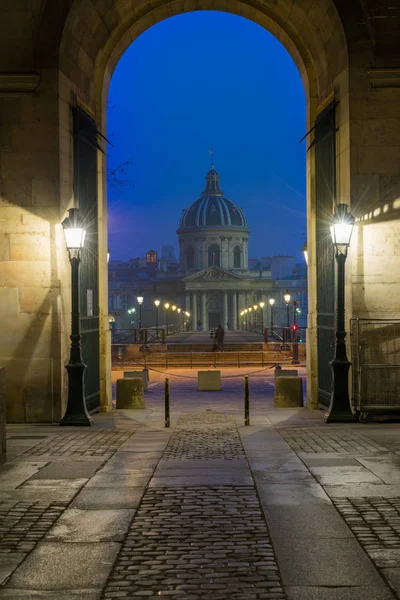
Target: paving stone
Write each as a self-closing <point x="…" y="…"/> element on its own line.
<point x="214" y="538"/>
<point x="324" y="562"/>
<point x="338" y="593"/>
<point x="342" y="475"/>
<point x="8" y="563"/>
<point x="310" y="521"/>
<point x="68" y="470"/>
<point x="108" y="498"/>
<point x="118" y="481"/>
<point x="77" y="525"/>
<point x="291" y="494"/>
<point x="58" y="566"/>
<point x="79" y="594"/>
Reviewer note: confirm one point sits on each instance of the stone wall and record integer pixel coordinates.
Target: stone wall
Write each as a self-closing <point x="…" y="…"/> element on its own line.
<point x="3" y="448"/>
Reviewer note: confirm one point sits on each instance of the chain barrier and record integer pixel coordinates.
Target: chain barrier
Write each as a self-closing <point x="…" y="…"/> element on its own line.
<point x="195" y="377"/>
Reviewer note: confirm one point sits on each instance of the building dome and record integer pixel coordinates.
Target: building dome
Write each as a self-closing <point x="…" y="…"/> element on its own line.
<point x="212" y="209"/>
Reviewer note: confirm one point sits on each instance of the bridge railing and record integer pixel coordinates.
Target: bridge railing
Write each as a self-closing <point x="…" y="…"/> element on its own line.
<point x="146" y="335"/>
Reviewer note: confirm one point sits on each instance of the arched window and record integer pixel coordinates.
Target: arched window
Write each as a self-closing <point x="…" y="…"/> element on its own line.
<point x="214" y="256"/>
<point x="236" y="258"/>
<point x="190" y="258"/>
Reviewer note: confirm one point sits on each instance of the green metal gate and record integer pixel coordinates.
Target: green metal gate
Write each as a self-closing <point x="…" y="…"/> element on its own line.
<point x="325" y="184"/>
<point x="85" y="183"/>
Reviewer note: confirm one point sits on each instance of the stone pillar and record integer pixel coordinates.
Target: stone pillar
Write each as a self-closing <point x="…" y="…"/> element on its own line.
<point x="225" y="313"/>
<point x="194" y="311"/>
<point x="234" y="311"/>
<point x="204" y="324"/>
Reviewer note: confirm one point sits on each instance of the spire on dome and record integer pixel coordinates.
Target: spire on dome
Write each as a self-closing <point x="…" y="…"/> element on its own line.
<point x="211" y="153"/>
<point x="212" y="183"/>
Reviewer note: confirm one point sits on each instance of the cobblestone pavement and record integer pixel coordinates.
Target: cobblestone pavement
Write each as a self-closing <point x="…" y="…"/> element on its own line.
<point x="80" y="444"/>
<point x="322" y="440"/>
<point x="287" y="508"/>
<point x="198" y="542"/>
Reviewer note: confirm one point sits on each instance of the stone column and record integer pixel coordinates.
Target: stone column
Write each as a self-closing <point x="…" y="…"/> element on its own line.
<point x="194" y="311"/>
<point x="225" y="314"/>
<point x="204" y="325"/>
<point x="234" y="311"/>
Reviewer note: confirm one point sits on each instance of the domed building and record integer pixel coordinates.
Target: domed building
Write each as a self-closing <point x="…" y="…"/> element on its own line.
<point x="213" y="231"/>
<point x="214" y="279"/>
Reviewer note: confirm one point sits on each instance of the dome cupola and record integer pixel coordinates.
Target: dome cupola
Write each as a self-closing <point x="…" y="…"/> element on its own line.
<point x="212" y="209"/>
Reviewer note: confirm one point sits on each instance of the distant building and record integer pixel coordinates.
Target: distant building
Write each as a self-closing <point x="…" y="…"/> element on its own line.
<point x="214" y="280"/>
<point x="168" y="253"/>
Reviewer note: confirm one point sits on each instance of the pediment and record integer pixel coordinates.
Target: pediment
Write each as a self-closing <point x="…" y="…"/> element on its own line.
<point x="213" y="274"/>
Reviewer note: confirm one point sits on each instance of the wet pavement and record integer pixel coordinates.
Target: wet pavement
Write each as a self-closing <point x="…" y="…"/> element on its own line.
<point x="288" y="507"/>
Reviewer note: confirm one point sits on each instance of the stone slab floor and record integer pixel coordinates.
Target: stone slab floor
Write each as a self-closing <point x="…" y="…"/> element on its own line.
<point x="287" y="508"/>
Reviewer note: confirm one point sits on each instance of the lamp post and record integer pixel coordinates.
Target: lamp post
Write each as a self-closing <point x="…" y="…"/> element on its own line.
<point x="173" y="315"/>
<point x="166" y="306"/>
<point x="241" y="322"/>
<point x="140" y="302"/>
<point x="339" y="408"/>
<point x="246" y="313"/>
<point x="271" y="303"/>
<point x="131" y="311"/>
<point x="157" y="304"/>
<point x="305" y="251"/>
<point x="179" y="310"/>
<point x="286" y="297"/>
<point x="262" y="304"/>
<point x="295" y="344"/>
<point x="250" y="309"/>
<point x="76" y="413"/>
<point x="255" y="307"/>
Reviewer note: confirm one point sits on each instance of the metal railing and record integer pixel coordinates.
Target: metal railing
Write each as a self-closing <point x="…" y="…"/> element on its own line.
<point x="146" y="335"/>
<point x="375" y="349"/>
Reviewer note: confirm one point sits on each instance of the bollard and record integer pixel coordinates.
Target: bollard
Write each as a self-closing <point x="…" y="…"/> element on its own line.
<point x="246" y="401"/>
<point x="167" y="421"/>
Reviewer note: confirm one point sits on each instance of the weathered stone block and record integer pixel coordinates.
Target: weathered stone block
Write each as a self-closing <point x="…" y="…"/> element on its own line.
<point x="130" y="393"/>
<point x="138" y="375"/>
<point x="286" y="373"/>
<point x="2" y="415"/>
<point x="288" y="392"/>
<point x="209" y="381"/>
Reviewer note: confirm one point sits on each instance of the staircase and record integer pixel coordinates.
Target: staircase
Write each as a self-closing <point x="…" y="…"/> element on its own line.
<point x="239" y="347"/>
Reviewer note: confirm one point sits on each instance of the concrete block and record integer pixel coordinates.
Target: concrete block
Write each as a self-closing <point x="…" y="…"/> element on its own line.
<point x="130" y="393"/>
<point x="286" y="372"/>
<point x="138" y="375"/>
<point x="2" y="415"/>
<point x="209" y="381"/>
<point x="288" y="392"/>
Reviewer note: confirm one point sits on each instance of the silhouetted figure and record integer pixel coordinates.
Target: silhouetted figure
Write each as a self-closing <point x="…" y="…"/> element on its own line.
<point x="219" y="336"/>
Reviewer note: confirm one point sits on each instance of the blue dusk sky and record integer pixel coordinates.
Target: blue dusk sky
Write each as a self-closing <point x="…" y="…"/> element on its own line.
<point x="193" y="82"/>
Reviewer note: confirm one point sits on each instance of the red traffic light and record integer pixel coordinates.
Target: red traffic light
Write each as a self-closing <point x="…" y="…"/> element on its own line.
<point x="295" y="327"/>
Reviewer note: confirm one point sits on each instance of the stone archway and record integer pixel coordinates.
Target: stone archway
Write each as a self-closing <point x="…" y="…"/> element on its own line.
<point x="313" y="36"/>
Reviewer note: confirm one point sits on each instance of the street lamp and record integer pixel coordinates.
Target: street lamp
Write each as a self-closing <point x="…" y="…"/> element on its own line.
<point x="305" y="251"/>
<point x="287" y="297"/>
<point x="339" y="408"/>
<point x="295" y="344"/>
<point x="262" y="304"/>
<point x="166" y="306"/>
<point x="140" y="302"/>
<point x="271" y="303"/>
<point x="173" y="315"/>
<point x="76" y="413"/>
<point x="131" y="311"/>
<point x="179" y="310"/>
<point x="246" y="312"/>
<point x="157" y="304"/>
<point x="250" y="309"/>
<point x="255" y="306"/>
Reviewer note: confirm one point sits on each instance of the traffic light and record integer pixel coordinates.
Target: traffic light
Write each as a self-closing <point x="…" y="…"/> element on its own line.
<point x="295" y="327"/>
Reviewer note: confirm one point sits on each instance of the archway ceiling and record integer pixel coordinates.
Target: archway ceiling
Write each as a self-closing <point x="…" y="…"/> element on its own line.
<point x="374" y="23"/>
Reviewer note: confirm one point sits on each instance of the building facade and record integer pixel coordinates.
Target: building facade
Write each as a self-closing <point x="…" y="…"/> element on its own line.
<point x="213" y="282"/>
